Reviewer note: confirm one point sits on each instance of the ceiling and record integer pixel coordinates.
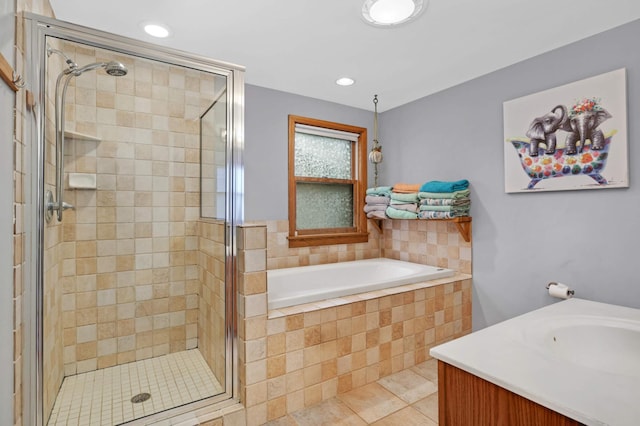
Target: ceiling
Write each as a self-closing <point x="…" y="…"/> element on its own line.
<point x="303" y="46"/>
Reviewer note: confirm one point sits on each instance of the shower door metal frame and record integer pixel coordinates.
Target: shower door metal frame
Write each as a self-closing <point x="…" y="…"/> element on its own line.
<point x="36" y="29"/>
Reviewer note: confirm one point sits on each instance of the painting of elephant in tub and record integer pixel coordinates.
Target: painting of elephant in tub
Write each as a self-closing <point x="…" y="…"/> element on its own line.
<point x="583" y="140"/>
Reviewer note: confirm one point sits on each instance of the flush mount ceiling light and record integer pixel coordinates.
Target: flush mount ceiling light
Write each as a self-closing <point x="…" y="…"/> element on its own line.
<point x="156" y="30"/>
<point x="388" y="13"/>
<point x="345" y="81"/>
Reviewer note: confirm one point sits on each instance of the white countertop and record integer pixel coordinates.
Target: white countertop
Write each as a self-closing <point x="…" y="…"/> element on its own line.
<point x="515" y="355"/>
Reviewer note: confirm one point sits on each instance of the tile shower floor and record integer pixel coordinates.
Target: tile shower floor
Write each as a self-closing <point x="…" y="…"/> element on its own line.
<point x="409" y="397"/>
<point x="103" y="397"/>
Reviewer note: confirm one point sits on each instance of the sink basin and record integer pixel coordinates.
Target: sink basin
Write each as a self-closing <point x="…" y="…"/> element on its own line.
<point x="606" y="344"/>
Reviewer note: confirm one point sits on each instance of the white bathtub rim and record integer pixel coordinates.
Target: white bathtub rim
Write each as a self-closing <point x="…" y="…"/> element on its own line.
<point x="319" y="295"/>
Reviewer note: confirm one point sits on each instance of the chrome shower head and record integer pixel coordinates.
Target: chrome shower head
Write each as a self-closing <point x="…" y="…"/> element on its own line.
<point x="115" y="69"/>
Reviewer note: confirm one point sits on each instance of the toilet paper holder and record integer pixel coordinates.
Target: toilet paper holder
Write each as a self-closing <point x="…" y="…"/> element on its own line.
<point x="569" y="292"/>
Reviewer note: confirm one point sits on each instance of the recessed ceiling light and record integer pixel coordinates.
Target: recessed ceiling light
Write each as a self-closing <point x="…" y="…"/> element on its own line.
<point x="156" y="30"/>
<point x="386" y="13"/>
<point x="345" y="81"/>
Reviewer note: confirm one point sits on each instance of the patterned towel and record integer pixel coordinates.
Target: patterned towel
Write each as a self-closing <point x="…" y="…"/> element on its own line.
<point x="445" y="201"/>
<point x="453" y="209"/>
<point x="457" y="194"/>
<point x="438" y="215"/>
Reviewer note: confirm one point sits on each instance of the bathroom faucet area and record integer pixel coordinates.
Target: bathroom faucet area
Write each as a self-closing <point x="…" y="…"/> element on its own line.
<point x="209" y="222"/>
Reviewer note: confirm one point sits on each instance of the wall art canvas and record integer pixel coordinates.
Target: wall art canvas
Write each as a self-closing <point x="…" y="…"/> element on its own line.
<point x="569" y="137"/>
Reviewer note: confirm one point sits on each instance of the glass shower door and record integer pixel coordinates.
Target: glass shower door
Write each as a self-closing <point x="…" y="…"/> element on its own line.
<point x="135" y="274"/>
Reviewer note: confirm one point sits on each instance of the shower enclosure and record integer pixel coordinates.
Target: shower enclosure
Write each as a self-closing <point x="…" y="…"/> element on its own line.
<point x="136" y="190"/>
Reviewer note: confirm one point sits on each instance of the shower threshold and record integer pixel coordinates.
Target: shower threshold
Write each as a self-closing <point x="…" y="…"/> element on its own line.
<point x="110" y="396"/>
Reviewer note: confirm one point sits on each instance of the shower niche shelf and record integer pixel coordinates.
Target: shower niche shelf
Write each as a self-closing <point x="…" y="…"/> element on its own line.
<point x="462" y="223"/>
<point x="80" y="136"/>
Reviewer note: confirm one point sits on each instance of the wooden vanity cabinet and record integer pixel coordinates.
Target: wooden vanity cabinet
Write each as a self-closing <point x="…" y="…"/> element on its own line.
<point x="467" y="400"/>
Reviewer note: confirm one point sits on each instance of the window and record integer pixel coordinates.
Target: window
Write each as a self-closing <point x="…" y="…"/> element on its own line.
<point x="327" y="182"/>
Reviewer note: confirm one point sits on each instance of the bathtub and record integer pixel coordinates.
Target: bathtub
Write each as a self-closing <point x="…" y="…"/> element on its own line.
<point x="576" y="357"/>
<point x="306" y="284"/>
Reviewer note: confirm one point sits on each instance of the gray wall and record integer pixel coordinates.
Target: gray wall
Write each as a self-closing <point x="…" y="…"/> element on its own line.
<point x="586" y="239"/>
<point x="7" y="100"/>
<point x="266" y="144"/>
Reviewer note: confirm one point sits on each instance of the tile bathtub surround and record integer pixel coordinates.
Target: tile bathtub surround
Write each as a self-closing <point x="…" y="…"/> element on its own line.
<point x="295" y="359"/>
<point x="279" y="255"/>
<point x="428" y="242"/>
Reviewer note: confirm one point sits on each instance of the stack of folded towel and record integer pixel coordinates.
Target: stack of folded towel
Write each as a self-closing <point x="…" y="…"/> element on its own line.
<point x="444" y="200"/>
<point x="404" y="201"/>
<point x="376" y="202"/>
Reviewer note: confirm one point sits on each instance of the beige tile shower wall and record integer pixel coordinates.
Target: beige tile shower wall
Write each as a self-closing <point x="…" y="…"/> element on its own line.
<point x="428" y="242"/>
<point x="292" y="360"/>
<point x="279" y="255"/>
<point x="132" y="243"/>
<point x="211" y="271"/>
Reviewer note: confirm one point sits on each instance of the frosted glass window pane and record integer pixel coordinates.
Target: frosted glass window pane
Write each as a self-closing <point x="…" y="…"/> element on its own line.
<point x="324" y="205"/>
<point x="322" y="157"/>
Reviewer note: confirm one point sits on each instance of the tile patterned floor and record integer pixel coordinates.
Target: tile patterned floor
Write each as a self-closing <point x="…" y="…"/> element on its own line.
<point x="407" y="398"/>
<point x="103" y="397"/>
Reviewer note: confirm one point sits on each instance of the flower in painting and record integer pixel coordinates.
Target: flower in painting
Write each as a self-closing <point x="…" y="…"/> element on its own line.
<point x="584" y="105"/>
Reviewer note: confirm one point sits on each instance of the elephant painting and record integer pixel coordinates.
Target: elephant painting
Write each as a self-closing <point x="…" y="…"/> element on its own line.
<point x="584" y="125"/>
<point x="543" y="129"/>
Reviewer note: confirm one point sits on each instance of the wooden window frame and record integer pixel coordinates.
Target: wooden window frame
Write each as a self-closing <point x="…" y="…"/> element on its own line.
<point x="317" y="237"/>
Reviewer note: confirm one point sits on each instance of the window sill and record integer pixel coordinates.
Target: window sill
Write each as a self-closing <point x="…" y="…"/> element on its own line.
<point x="327" y="239"/>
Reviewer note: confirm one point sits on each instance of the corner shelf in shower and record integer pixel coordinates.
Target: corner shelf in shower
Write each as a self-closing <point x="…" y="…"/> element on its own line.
<point x="462" y="223"/>
<point x="80" y="136"/>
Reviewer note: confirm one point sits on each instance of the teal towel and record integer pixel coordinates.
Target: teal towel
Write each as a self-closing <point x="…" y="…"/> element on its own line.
<point x="457" y="194"/>
<point x="405" y="198"/>
<point x="380" y="190"/>
<point x="400" y="214"/>
<point x="439" y="186"/>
